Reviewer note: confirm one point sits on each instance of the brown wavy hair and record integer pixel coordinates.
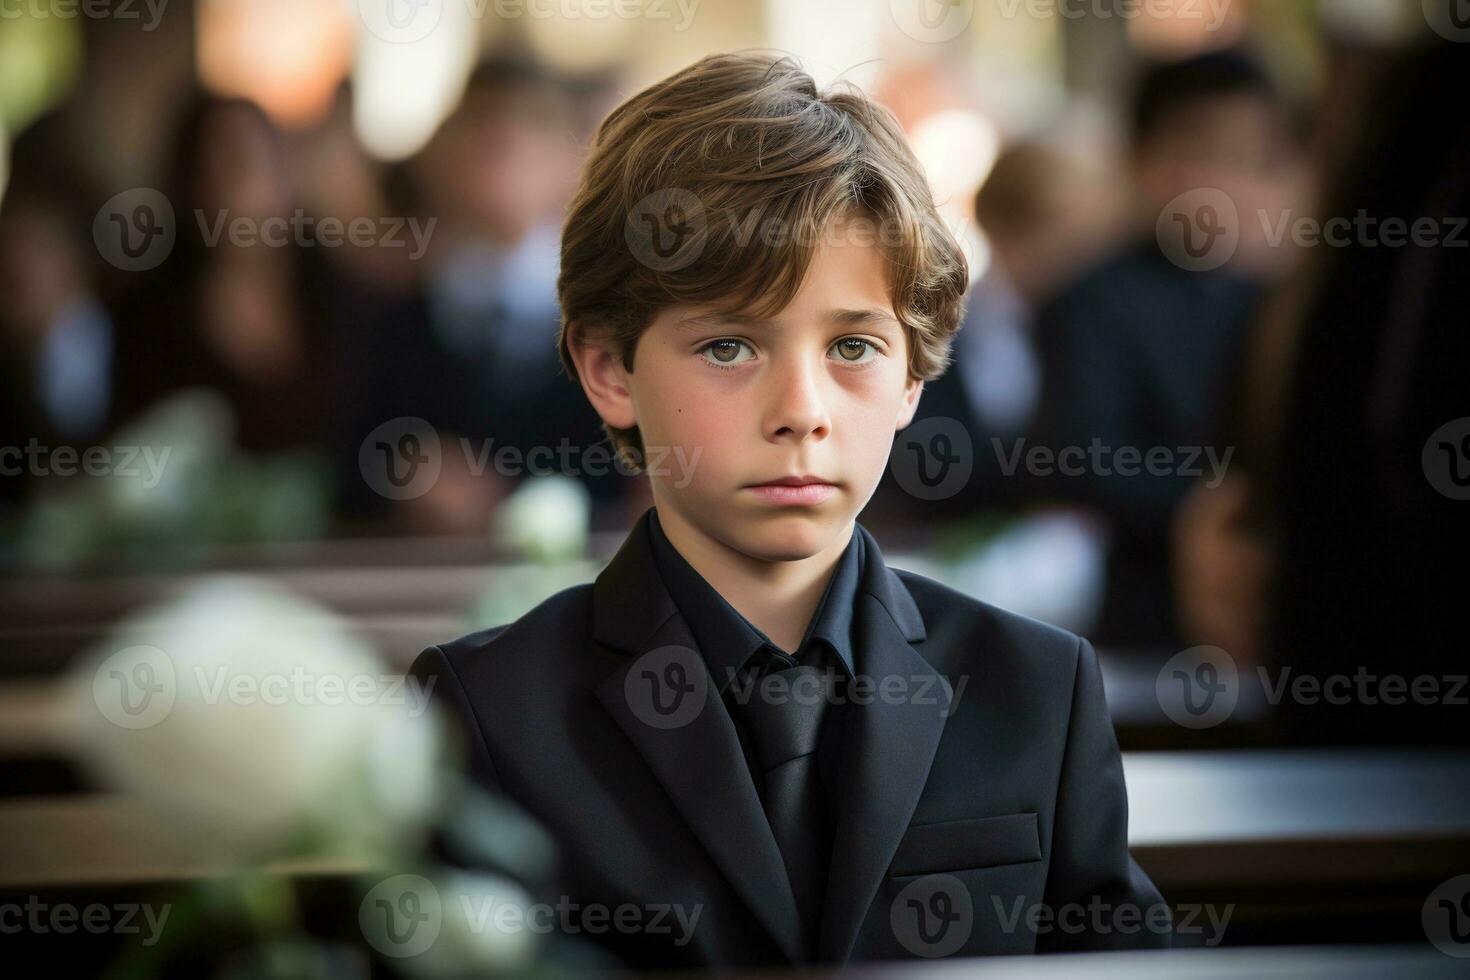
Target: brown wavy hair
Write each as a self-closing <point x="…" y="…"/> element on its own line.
<point x="750" y="166"/>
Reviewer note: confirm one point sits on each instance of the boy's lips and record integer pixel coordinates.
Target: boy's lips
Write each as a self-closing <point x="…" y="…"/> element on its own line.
<point x="794" y="490"/>
<point x="792" y="481"/>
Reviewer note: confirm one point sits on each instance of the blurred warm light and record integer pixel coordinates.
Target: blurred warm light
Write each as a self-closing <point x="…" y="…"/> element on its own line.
<point x="832" y="38"/>
<point x="403" y="90"/>
<point x="286" y="55"/>
<point x="1178" y="31"/>
<point x="1017" y="41"/>
<point x="957" y="148"/>
<point x="584" y="44"/>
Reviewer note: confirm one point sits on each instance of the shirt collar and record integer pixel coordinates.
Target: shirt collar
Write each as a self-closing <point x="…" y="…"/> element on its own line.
<point x="726" y="638"/>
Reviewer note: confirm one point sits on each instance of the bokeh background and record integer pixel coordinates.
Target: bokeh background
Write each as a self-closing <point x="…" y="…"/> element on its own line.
<point x="277" y="324"/>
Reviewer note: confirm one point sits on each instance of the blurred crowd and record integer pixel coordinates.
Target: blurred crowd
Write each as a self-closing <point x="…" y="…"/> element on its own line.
<point x="442" y="308"/>
<point x="1289" y="388"/>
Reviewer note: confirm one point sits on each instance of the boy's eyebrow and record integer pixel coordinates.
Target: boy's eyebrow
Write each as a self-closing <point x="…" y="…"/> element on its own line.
<point x="837" y="317"/>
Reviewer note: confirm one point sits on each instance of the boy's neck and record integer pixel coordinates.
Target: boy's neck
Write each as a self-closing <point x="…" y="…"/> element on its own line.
<point x="778" y="597"/>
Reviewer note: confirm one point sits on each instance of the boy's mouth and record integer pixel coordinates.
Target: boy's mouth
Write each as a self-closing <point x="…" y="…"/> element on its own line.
<point x="803" y="489"/>
<point x="793" y="481"/>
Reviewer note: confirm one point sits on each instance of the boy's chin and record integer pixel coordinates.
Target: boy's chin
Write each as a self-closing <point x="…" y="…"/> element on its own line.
<point x="789" y="534"/>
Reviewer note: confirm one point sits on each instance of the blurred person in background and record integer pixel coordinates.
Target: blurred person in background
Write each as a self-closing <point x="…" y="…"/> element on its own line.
<point x="57" y="345"/>
<point x="1045" y="214"/>
<point x="472" y="348"/>
<point x="1339" y="539"/>
<point x="1136" y="353"/>
<point x="245" y="316"/>
<point x="337" y="178"/>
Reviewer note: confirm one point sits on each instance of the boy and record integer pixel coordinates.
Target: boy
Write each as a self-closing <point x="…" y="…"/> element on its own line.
<point x="748" y="719"/>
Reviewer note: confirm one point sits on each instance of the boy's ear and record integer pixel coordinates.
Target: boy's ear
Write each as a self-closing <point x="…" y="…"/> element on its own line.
<point x="910" y="405"/>
<point x="603" y="377"/>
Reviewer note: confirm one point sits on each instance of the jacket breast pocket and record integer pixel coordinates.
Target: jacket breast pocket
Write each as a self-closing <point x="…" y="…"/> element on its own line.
<point x="960" y="845"/>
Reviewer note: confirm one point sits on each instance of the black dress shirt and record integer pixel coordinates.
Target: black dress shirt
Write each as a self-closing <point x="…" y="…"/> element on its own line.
<point x="728" y="642"/>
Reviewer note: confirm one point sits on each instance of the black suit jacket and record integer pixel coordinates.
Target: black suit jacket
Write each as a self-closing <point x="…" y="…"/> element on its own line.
<point x="957" y="811"/>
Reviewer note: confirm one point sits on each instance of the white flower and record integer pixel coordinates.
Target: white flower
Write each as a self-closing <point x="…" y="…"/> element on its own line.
<point x="180" y="440"/>
<point x="256" y="719"/>
<point x="546" y="519"/>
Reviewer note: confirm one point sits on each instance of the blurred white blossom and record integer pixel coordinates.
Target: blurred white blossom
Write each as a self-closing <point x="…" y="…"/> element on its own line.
<point x="257" y="721"/>
<point x="546" y="519"/>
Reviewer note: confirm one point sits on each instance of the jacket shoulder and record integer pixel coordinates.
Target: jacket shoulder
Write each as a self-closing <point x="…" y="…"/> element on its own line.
<point x="559" y="616"/>
<point x="977" y="628"/>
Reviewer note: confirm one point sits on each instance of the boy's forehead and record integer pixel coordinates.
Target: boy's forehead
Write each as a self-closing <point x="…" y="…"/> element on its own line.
<point x="865" y="316"/>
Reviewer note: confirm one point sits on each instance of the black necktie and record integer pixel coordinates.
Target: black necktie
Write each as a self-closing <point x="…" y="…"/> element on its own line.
<point x="783" y="718"/>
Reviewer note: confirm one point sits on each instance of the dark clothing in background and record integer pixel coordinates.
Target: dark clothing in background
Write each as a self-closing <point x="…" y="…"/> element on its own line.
<point x="1371" y="555"/>
<point x="161" y="318"/>
<point x="1138" y="353"/>
<point x="988" y="392"/>
<point x="395" y="363"/>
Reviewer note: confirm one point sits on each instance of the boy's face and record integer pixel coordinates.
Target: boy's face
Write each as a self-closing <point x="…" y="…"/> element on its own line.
<point x="818" y="391"/>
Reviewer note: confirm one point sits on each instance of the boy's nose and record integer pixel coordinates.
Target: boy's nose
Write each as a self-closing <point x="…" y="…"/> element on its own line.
<point x="797" y="405"/>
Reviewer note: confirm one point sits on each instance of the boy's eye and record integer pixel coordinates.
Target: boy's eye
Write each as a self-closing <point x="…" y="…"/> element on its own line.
<point x="854" y="350"/>
<point x="725" y="352"/>
<point x="728" y="351"/>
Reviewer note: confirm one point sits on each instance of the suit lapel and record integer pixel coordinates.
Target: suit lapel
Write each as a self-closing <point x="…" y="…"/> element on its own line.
<point x="700" y="763"/>
<point x="889" y="753"/>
